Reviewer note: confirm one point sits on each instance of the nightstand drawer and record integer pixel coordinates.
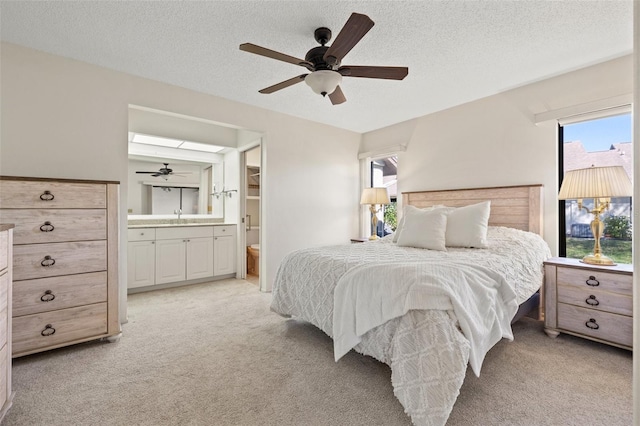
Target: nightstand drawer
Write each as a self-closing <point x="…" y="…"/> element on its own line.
<point x="599" y="325"/>
<point x="591" y="298"/>
<point x="594" y="279"/>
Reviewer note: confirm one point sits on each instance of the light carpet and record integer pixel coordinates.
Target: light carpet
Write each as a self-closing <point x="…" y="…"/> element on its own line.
<point x="213" y="354"/>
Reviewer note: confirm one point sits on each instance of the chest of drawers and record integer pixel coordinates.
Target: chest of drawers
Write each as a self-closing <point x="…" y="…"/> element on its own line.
<point x="594" y="302"/>
<point x="6" y="244"/>
<point x="65" y="266"/>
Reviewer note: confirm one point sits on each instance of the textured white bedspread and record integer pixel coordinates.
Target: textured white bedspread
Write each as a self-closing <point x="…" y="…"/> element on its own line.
<point x="427" y="352"/>
<point x="370" y="295"/>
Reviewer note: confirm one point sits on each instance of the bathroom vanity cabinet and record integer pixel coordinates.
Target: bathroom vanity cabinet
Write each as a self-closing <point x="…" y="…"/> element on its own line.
<point x="167" y="255"/>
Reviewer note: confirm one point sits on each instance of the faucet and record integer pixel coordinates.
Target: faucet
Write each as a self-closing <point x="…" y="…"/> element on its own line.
<point x="178" y="212"/>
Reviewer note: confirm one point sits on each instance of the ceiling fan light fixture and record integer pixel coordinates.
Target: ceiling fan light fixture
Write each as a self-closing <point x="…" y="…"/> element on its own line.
<point x="323" y="82"/>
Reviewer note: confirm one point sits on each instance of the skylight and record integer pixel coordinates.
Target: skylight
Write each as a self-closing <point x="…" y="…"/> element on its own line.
<point x="174" y="143"/>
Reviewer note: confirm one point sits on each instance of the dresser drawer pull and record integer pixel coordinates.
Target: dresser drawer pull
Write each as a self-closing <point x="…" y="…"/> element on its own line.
<point x="47" y="227"/>
<point x="48" y="296"/>
<point x="48" y="330"/>
<point x="592" y="301"/>
<point x="592" y="324"/>
<point x="47" y="196"/>
<point x="48" y="261"/>
<point x="592" y="281"/>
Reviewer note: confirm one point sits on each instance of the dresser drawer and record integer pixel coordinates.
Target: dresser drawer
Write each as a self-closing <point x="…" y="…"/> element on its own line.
<point x="56" y="225"/>
<point x="595" y="299"/>
<point x="589" y="279"/>
<point x="4" y="311"/>
<point x="63" y="258"/>
<point x="48" y="294"/>
<point x="16" y="194"/>
<point x="4" y="375"/>
<point x="600" y="325"/>
<point x="47" y="329"/>
<point x="4" y="241"/>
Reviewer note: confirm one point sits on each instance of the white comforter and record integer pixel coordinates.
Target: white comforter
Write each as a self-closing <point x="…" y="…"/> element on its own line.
<point x="427" y="352"/>
<point x="370" y="295"/>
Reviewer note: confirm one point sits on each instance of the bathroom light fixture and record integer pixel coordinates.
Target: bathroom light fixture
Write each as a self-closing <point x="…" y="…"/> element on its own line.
<point x="224" y="192"/>
<point x="174" y="143"/>
<point x="323" y="82"/>
<point x="374" y="196"/>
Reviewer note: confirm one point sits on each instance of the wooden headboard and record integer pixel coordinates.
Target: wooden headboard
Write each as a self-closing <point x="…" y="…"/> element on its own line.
<point x="511" y="206"/>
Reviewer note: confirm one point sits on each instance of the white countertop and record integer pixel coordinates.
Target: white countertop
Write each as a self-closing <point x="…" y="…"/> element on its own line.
<point x="174" y="223"/>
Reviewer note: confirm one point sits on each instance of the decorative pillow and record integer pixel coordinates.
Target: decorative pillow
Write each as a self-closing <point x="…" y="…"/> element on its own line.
<point x="396" y="234"/>
<point x="467" y="226"/>
<point x="424" y="229"/>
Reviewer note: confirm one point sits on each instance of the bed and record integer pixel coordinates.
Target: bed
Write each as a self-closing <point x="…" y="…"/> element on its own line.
<point x="424" y="325"/>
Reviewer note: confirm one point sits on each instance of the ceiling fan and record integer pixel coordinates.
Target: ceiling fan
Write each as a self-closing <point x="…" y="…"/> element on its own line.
<point x="165" y="172"/>
<point x="324" y="62"/>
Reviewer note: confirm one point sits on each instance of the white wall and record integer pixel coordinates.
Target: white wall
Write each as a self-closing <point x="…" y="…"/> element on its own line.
<point x="67" y="119"/>
<point x="495" y="141"/>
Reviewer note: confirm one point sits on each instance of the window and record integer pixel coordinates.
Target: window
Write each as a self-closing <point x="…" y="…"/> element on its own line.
<point x="600" y="142"/>
<point x="384" y="173"/>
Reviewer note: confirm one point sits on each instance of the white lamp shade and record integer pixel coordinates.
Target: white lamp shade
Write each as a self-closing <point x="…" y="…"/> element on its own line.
<point x="595" y="182"/>
<point x="323" y="82"/>
<point x="375" y="196"/>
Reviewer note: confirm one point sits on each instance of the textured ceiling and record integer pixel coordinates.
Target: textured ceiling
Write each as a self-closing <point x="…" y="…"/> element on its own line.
<point x="456" y="51"/>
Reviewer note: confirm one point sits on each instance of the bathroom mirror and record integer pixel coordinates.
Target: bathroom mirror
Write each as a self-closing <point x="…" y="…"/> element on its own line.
<point x="187" y="189"/>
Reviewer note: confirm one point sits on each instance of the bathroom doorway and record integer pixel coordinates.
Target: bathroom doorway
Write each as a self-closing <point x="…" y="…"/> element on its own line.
<point x="252" y="179"/>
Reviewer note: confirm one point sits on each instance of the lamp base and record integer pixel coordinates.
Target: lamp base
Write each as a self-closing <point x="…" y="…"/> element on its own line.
<point x="598" y="259"/>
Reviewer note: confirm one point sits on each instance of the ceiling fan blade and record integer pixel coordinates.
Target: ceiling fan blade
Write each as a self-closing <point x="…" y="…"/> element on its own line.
<point x="356" y="27"/>
<point x="283" y="84"/>
<point x="147" y="172"/>
<point x="390" y="73"/>
<point x="337" y="97"/>
<point x="263" y="51"/>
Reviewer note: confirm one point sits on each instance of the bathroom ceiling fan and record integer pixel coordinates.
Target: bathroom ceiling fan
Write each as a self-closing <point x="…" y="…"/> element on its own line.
<point x="324" y="62"/>
<point x="165" y="172"/>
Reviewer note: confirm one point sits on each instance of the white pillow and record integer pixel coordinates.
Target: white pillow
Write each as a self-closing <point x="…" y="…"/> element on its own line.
<point x="467" y="226"/>
<point x="396" y="234"/>
<point x="424" y="229"/>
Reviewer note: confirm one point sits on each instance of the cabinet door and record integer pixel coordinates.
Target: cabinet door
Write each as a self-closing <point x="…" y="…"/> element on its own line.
<point x="199" y="258"/>
<point x="170" y="261"/>
<point x="141" y="264"/>
<point x="224" y="251"/>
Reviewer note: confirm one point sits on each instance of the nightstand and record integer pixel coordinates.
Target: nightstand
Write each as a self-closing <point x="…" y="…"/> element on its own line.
<point x="589" y="301"/>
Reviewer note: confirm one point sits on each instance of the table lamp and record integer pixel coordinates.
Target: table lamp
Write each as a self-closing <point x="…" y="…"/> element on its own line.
<point x="373" y="197"/>
<point x="601" y="184"/>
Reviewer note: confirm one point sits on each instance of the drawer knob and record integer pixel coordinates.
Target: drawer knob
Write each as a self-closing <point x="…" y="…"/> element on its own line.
<point x="48" y="330"/>
<point x="48" y="296"/>
<point x="48" y="261"/>
<point x="592" y="324"/>
<point x="592" y="281"/>
<point x="47" y="227"/>
<point x="592" y="301"/>
<point x="47" y="196"/>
